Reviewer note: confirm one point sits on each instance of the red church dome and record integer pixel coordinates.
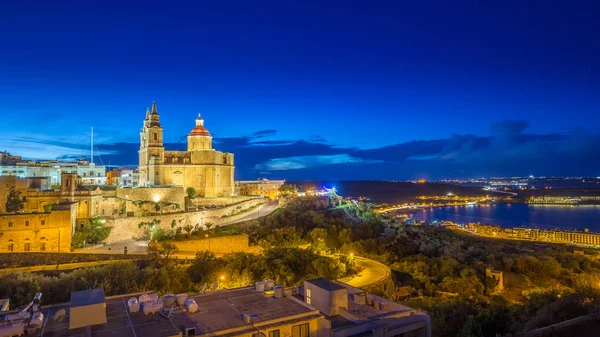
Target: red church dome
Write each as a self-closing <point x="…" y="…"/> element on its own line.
<point x="199" y="130"/>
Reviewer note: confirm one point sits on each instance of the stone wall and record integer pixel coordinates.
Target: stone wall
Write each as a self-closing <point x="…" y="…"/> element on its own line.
<point x="217" y="245"/>
<point x="218" y="201"/>
<point x="173" y="195"/>
<point x="35" y="232"/>
<point x="124" y="229"/>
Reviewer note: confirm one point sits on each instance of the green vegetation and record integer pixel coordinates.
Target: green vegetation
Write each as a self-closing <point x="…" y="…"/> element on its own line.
<point x="288" y="190"/>
<point x="160" y="272"/>
<point x="191" y="192"/>
<point x="443" y="271"/>
<point x="17" y="260"/>
<point x="14" y="201"/>
<point x="435" y="269"/>
<point x="48" y="207"/>
<point x="92" y="233"/>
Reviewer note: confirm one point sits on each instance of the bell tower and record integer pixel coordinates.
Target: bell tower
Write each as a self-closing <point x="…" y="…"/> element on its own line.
<point x="151" y="153"/>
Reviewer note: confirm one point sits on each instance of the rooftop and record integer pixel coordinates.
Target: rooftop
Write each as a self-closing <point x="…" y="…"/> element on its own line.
<point x="87" y="297"/>
<point x="325" y="284"/>
<point x="219" y="311"/>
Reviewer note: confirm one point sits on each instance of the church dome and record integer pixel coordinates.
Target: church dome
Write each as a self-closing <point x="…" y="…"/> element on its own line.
<point x="199" y="130"/>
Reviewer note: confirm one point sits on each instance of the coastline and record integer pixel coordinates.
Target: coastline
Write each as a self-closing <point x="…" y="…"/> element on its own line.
<point x="567" y="218"/>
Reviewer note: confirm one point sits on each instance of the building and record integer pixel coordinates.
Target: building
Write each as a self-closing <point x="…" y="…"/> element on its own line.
<point x="350" y="311"/>
<point x="39" y="232"/>
<point x="261" y="187"/>
<point x="208" y="171"/>
<point x="90" y="173"/>
<point x="497" y="276"/>
<point x="263" y="310"/>
<point x="39" y="199"/>
<point x="7" y="159"/>
<point x="123" y="177"/>
<point x="23" y="185"/>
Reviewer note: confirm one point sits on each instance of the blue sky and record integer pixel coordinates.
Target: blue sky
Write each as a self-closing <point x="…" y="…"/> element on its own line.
<point x="312" y="89"/>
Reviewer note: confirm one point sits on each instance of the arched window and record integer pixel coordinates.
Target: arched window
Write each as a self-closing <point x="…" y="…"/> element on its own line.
<point x="27" y="246"/>
<point x="11" y="246"/>
<point x="43" y="244"/>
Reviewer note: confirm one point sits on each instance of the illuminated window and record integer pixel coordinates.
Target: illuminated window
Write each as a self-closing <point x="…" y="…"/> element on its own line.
<point x="274" y="333"/>
<point x="307" y="296"/>
<point x="300" y="330"/>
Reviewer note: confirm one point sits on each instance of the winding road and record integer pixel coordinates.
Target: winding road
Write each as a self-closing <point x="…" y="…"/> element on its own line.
<point x="372" y="272"/>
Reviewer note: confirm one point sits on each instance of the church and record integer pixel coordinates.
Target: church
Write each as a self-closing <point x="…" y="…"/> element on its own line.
<point x="208" y="171"/>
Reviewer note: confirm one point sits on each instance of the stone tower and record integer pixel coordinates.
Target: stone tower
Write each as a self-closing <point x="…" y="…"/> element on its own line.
<point x="68" y="185"/>
<point x="151" y="153"/>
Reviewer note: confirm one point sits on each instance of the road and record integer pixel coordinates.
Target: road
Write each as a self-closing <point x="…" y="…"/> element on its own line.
<point x="261" y="211"/>
<point x="372" y="272"/>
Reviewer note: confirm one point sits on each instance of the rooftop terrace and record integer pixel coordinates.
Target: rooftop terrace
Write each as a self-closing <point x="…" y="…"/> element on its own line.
<point x="221" y="311"/>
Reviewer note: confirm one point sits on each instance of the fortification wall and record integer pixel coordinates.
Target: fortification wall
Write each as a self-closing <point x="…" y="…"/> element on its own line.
<point x="217" y="245"/>
<point x="124" y="229"/>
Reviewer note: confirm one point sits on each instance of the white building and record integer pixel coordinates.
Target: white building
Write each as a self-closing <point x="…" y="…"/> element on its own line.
<point x="90" y="173"/>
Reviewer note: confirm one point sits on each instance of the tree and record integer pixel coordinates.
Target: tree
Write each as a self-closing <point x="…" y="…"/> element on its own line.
<point x="205" y="267"/>
<point x="191" y="192"/>
<point x="188" y="228"/>
<point x="162" y="252"/>
<point x="208" y="225"/>
<point x="288" y="190"/>
<point x="14" y="201"/>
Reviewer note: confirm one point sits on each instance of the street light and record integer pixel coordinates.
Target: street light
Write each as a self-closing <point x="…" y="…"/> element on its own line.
<point x="221" y="279"/>
<point x="208" y="242"/>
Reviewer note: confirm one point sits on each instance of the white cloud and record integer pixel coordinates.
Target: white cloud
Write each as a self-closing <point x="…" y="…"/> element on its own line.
<point x="300" y="162"/>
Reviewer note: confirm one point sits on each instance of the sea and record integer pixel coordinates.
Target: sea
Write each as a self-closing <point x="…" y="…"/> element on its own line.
<point x="520" y="215"/>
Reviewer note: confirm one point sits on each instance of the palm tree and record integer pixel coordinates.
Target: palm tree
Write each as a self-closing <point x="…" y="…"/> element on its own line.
<point x="188" y="228"/>
<point x="208" y="225"/>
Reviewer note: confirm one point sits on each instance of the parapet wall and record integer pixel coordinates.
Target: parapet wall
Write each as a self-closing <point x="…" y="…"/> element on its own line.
<point x="217" y="245"/>
<point x="174" y="195"/>
<point x="124" y="229"/>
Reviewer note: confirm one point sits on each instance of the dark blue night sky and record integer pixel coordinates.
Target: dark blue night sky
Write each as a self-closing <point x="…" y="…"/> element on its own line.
<point x="312" y="90"/>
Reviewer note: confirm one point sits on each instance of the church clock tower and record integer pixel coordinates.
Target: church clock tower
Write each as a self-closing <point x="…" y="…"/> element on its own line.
<point x="151" y="153"/>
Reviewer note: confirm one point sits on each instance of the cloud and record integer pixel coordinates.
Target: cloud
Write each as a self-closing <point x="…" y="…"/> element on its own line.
<point x="508" y="150"/>
<point x="264" y="133"/>
<point x="295" y="163"/>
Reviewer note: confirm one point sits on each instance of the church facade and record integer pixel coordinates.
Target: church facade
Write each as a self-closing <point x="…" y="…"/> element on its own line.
<point x="208" y="171"/>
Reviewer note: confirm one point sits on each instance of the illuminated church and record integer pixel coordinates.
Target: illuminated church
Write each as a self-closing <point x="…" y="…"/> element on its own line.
<point x="210" y="172"/>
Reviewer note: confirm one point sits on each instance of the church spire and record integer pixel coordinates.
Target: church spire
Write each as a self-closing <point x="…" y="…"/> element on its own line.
<point x="147" y="113"/>
<point x="154" y="111"/>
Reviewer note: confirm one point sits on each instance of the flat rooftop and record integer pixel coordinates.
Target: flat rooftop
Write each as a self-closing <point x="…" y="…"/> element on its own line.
<point x="87" y="297"/>
<point x="217" y="311"/>
<point x="325" y="284"/>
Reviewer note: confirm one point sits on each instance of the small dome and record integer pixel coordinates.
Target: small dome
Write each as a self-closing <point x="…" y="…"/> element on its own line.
<point x="199" y="131"/>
